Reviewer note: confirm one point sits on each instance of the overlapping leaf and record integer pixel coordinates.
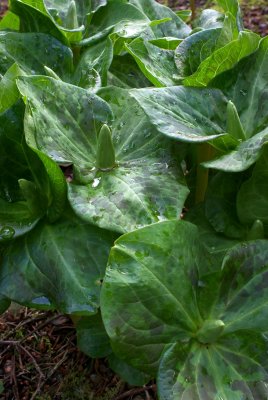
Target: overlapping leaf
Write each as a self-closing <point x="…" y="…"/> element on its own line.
<point x="60" y="266"/>
<point x="144" y="186"/>
<point x="212" y="317"/>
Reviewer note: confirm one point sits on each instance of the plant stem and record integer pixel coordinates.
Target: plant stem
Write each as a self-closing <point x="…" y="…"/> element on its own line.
<point x="204" y="153"/>
<point x="192" y="6"/>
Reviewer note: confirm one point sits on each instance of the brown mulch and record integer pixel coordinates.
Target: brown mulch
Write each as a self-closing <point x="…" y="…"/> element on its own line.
<point x="39" y="360"/>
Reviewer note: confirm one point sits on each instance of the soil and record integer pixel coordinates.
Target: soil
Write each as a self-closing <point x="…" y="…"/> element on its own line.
<point x="39" y="358"/>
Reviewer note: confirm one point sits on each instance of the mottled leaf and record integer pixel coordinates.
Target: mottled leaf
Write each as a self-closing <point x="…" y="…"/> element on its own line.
<point x="62" y="263"/>
<point x="187" y="114"/>
<point x="146" y="183"/>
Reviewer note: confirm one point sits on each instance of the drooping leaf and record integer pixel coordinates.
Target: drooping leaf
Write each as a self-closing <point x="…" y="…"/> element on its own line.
<point x="63" y="263"/>
<point x="145" y="185"/>
<point x="187" y="114"/>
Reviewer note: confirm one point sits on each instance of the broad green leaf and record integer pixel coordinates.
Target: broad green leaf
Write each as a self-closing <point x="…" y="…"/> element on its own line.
<point x="92" y="338"/>
<point x="156" y="64"/>
<point x="224" y="59"/>
<point x="217" y="372"/>
<point x="144" y="186"/>
<point x="32" y="51"/>
<point x="125" y="73"/>
<point x="150" y="276"/>
<point x="63" y="119"/>
<point x="155" y="11"/>
<point x="9" y="93"/>
<point x="35" y="18"/>
<point x="252" y="198"/>
<point x="63" y="262"/>
<point x="245" y="155"/>
<point x="167" y="304"/>
<point x="117" y="17"/>
<point x="187" y="114"/>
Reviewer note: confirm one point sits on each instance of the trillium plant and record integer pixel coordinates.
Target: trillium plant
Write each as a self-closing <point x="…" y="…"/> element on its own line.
<point x="134" y="187"/>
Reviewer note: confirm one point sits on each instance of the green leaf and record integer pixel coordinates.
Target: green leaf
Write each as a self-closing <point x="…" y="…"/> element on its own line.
<point x="199" y="46"/>
<point x="119" y="17"/>
<point x="220" y="205"/>
<point x="10" y="21"/>
<point x="187" y="114"/>
<point x="146" y="184"/>
<point x="125" y="73"/>
<point x="155" y="11"/>
<point x="167" y="304"/>
<point x="32" y="51"/>
<point x="35" y="18"/>
<point x="62" y="263"/>
<point x="156" y="64"/>
<point x="97" y="57"/>
<point x="92" y="338"/>
<point x="150" y="276"/>
<point x="167" y="43"/>
<point x="232" y="7"/>
<point x="246" y="86"/>
<point x="215" y="372"/>
<point x="252" y="198"/>
<point x="63" y="120"/>
<point x="127" y="373"/>
<point x="19" y="162"/>
<point x="210" y="19"/>
<point x="224" y="59"/>
<point x="245" y="155"/>
<point x="9" y="93"/>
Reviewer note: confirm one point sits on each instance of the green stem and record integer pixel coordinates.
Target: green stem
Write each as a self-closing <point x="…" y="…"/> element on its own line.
<point x="204" y="153"/>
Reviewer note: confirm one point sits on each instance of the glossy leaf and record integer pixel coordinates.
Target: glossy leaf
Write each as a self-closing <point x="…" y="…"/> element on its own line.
<point x="224" y="59"/>
<point x="155" y="11"/>
<point x="166" y="290"/>
<point x="63" y="119"/>
<point x="146" y="184"/>
<point x="62" y="263"/>
<point x="186" y="114"/>
<point x="9" y="93"/>
<point x="32" y="51"/>
<point x="156" y="64"/>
